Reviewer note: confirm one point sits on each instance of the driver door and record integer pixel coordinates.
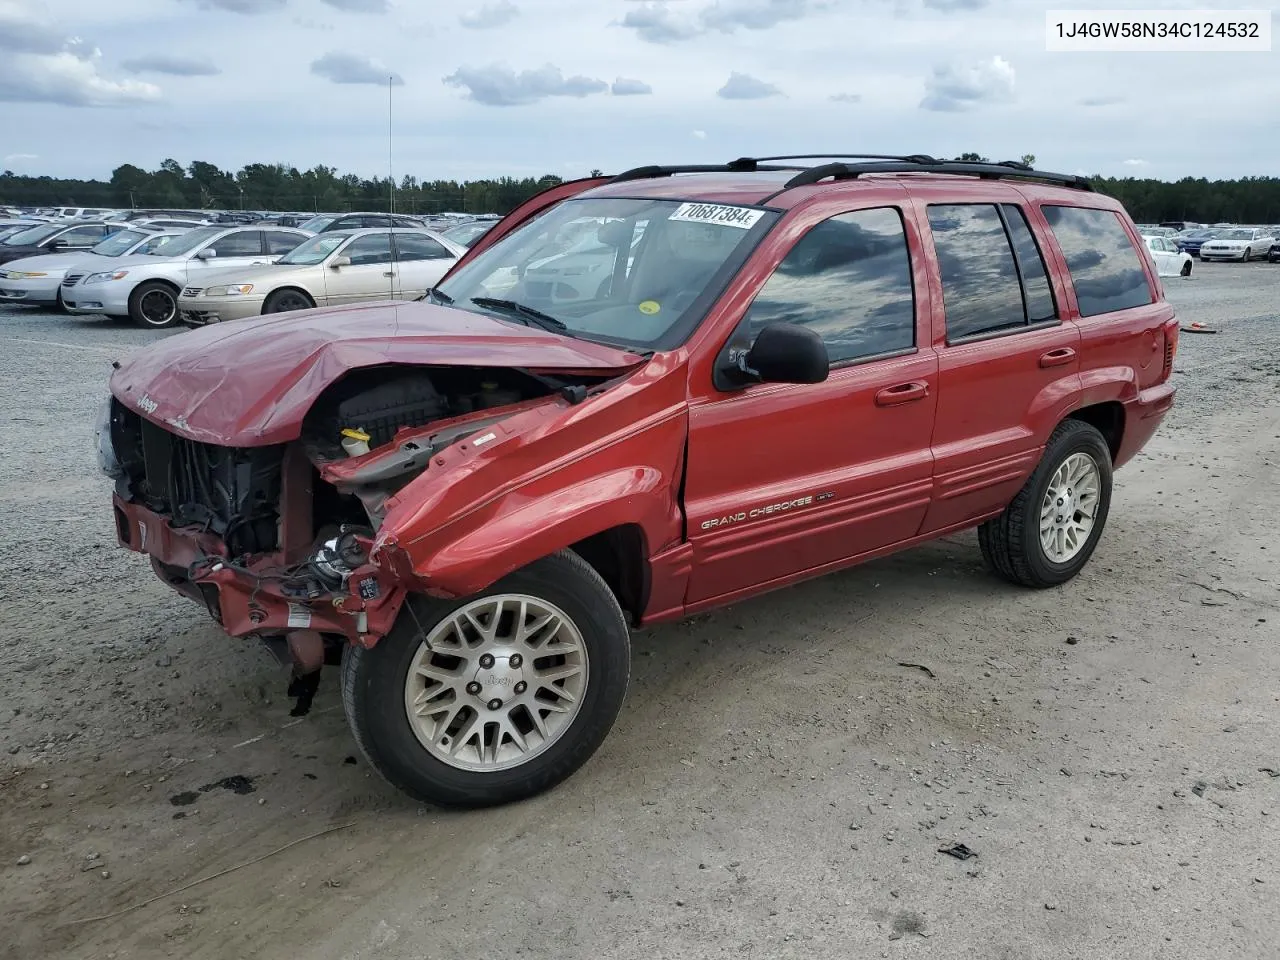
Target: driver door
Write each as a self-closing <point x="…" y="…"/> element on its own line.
<point x="788" y="479"/>
<point x="369" y="276"/>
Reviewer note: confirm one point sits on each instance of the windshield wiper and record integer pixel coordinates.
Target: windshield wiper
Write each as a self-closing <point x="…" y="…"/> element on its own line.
<point x="533" y="318"/>
<point x="437" y="296"/>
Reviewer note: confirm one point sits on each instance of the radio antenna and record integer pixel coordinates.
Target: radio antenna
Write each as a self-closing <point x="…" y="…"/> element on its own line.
<point x="391" y="183"/>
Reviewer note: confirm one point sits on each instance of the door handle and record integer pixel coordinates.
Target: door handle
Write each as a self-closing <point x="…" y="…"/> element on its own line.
<point x="1057" y="358"/>
<point x="388" y="274"/>
<point x="902" y="393"/>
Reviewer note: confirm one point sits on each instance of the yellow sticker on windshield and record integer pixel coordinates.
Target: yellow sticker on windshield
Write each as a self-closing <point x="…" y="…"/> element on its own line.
<point x="650" y="307"/>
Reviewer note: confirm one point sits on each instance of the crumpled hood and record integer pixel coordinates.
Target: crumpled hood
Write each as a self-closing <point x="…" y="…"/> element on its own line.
<point x="251" y="383"/>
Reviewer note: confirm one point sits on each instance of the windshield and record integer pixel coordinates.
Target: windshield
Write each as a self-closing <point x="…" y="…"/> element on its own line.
<point x="118" y="243"/>
<point x="187" y="242"/>
<point x="34" y="234"/>
<point x="468" y="233"/>
<point x="312" y="251"/>
<point x="1237" y="235"/>
<point x="316" y="224"/>
<point x="581" y="264"/>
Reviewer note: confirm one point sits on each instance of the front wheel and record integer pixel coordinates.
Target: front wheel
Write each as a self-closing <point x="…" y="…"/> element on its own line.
<point x="1186" y="269"/>
<point x="283" y="301"/>
<point x="154" y="305"/>
<point x="1248" y="255"/>
<point x="1050" y="529"/>
<point x="497" y="696"/>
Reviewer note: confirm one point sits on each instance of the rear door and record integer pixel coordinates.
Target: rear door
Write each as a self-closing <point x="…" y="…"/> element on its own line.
<point x="788" y="478"/>
<point x="420" y="263"/>
<point x="369" y="276"/>
<point x="1008" y="366"/>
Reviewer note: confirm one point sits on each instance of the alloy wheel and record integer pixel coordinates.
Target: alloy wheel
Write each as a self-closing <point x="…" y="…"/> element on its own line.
<point x="1069" y="507"/>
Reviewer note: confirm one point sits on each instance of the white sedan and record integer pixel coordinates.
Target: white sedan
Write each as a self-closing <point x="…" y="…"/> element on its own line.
<point x="1169" y="262"/>
<point x="1240" y="243"/>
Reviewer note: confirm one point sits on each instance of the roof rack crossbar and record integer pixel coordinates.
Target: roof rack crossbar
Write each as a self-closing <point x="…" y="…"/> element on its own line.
<point x="1012" y="170"/>
<point x="908" y="158"/>
<point x="651" y="172"/>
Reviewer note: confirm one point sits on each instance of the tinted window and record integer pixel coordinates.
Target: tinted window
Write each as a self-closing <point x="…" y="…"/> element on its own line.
<point x="1035" y="279"/>
<point x="414" y="246"/>
<point x="849" y="279"/>
<point x="246" y="243"/>
<point x="1105" y="268"/>
<point x="278" y="242"/>
<point x="407" y="222"/>
<point x="980" y="289"/>
<point x="82" y="236"/>
<point x="373" y="248"/>
<point x="376" y="221"/>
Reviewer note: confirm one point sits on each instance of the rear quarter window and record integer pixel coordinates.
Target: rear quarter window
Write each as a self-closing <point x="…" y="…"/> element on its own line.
<point x="1106" y="268"/>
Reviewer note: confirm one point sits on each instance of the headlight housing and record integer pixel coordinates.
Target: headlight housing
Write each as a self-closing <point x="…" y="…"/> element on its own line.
<point x="229" y="290"/>
<point x="108" y="463"/>
<point x="104" y="277"/>
<point x="23" y="275"/>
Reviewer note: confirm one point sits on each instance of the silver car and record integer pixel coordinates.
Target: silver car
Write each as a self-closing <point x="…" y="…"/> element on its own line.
<point x="37" y="281"/>
<point x="145" y="288"/>
<point x="337" y="267"/>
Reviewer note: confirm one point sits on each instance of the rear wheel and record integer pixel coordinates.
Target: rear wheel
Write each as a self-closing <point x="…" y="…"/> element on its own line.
<point x="282" y="301"/>
<point x="1186" y="269"/>
<point x="497" y="696"/>
<point x="1050" y="529"/>
<point x="154" y="305"/>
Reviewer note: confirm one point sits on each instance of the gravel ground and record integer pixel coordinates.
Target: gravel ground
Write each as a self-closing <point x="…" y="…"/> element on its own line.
<point x="778" y="785"/>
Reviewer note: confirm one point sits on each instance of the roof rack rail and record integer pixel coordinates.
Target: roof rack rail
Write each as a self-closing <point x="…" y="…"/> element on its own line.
<point x="745" y="165"/>
<point x="1009" y="169"/>
<point x="748" y="162"/>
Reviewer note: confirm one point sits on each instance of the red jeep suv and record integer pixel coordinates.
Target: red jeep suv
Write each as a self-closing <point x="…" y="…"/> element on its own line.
<point x="638" y="397"/>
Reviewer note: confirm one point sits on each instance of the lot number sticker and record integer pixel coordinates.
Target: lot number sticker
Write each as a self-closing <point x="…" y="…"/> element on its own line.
<point x="744" y="218"/>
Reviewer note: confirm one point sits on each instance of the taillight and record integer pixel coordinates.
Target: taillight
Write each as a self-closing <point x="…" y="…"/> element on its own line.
<point x="1170" y="350"/>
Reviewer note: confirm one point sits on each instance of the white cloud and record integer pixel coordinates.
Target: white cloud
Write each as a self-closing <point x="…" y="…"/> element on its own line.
<point x="623" y="87"/>
<point x="500" y="86"/>
<point x="952" y="88"/>
<point x="743" y="86"/>
<point x="657" y="23"/>
<point x="351" y="68"/>
<point x="490" y="16"/>
<point x="39" y="63"/>
<point x="1136" y="163"/>
<point x="361" y="6"/>
<point x="20" y="157"/>
<point x="698" y="134"/>
<point x="846" y="97"/>
<point x="171" y="65"/>
<point x="730" y="15"/>
<point x="243" y="6"/>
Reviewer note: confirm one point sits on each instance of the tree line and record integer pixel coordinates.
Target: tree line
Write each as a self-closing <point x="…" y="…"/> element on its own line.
<point x="279" y="186"/>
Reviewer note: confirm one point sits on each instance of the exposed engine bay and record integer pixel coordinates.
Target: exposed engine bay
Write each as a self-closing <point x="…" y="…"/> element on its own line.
<point x="275" y="540"/>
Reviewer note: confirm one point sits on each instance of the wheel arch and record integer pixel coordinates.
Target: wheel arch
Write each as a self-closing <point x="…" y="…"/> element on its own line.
<point x="620" y="555"/>
<point x="287" y="288"/>
<point x="1108" y="419"/>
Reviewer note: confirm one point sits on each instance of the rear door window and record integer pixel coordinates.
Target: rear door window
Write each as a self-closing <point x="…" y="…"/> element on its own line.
<point x="1106" y="268"/>
<point x="245" y="243"/>
<point x="981" y="292"/>
<point x="278" y="242"/>
<point x="414" y="246"/>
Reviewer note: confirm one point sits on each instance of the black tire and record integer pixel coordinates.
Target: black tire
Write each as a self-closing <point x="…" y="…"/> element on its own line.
<point x="283" y="301"/>
<point x="1248" y="255"/>
<point x="58" y="304"/>
<point x="1010" y="543"/>
<point x="154" y="305"/>
<point x="373" y="684"/>
<point x="1186" y="269"/>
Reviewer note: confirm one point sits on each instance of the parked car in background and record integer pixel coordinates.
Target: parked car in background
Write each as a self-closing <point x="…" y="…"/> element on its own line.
<point x="355" y="221"/>
<point x="330" y="269"/>
<point x="10" y="226"/>
<point x="55" y="238"/>
<point x="176" y="223"/>
<point x="145" y="288"/>
<point x="1273" y="255"/>
<point x="1170" y="261"/>
<point x="153" y="214"/>
<point x="467" y="233"/>
<point x="1240" y="243"/>
<point x="37" y="281"/>
<point x="1191" y="240"/>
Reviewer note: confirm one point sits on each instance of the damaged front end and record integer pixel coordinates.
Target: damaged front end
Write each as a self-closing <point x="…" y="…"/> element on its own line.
<point x="275" y="540"/>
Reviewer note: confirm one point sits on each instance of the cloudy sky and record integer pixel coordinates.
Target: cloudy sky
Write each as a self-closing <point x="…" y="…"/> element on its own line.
<point x="526" y="87"/>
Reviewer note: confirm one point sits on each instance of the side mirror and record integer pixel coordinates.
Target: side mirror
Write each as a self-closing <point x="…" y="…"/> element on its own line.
<point x="337" y="263"/>
<point x="786" y="353"/>
<point x="208" y="253"/>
